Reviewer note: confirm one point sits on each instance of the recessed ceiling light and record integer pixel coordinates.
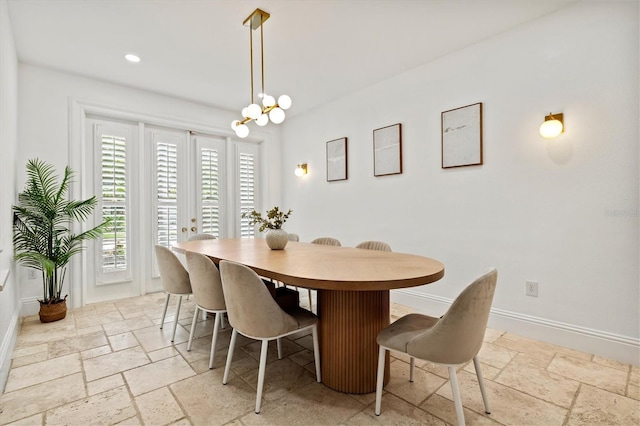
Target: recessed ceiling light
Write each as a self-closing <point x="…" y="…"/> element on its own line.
<point x="132" y="58"/>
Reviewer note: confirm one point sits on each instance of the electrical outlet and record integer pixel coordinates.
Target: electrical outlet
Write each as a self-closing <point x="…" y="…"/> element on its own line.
<point x="31" y="274"/>
<point x="531" y="288"/>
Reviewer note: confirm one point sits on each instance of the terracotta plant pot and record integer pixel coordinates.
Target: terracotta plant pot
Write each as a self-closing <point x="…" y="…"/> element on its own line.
<point x="50" y="312"/>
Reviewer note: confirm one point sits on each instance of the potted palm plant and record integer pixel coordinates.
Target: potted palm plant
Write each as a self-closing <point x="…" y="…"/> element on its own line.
<point x="42" y="235"/>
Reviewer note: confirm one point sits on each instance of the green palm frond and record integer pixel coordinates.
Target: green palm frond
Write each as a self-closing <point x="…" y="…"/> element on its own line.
<point x="42" y="236"/>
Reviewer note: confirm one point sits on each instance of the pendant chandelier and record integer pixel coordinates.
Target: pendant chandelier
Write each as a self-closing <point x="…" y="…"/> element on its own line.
<point x="270" y="109"/>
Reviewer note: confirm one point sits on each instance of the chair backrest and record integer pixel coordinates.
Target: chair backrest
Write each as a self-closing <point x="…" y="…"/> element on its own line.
<point x="175" y="279"/>
<point x="293" y="237"/>
<point x="326" y="241"/>
<point x="202" y="237"/>
<point x="205" y="282"/>
<point x="374" y="245"/>
<point x="457" y="337"/>
<point x="250" y="307"/>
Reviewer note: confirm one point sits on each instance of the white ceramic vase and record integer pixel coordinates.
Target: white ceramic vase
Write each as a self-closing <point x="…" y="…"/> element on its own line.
<point x="277" y="239"/>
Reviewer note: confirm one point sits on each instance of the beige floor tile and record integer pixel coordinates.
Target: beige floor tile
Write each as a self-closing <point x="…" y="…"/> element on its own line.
<point x="158" y="374"/>
<point x="394" y="411"/>
<point x="598" y="407"/>
<point x="288" y="348"/>
<point x="44" y="335"/>
<point x="38" y="398"/>
<point x="508" y="406"/>
<point x="303" y="357"/>
<point x="76" y="344"/>
<point x="208" y="401"/>
<point x="488" y="371"/>
<point x="424" y="383"/>
<point x="611" y="363"/>
<point x="162" y="354"/>
<point x="37" y="419"/>
<point x="281" y="376"/>
<point x="105" y="384"/>
<point x="29" y="359"/>
<point x="159" y="407"/>
<point x="94" y="319"/>
<point x="116" y="362"/>
<point x="88" y="330"/>
<point x="539" y="383"/>
<point x="44" y="371"/>
<point x="590" y="373"/>
<point x="495" y="355"/>
<point x="30" y="350"/>
<point x="123" y="326"/>
<point x="104" y="408"/>
<point x="123" y="341"/>
<point x="443" y="408"/>
<point x="633" y="392"/>
<point x="92" y="353"/>
<point x="133" y="421"/>
<point x="153" y="338"/>
<point x="634" y="376"/>
<point x="491" y="335"/>
<point x="314" y="404"/>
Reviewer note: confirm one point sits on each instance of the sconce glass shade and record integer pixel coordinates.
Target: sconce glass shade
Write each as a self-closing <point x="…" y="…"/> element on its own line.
<point x="301" y="169"/>
<point x="552" y="126"/>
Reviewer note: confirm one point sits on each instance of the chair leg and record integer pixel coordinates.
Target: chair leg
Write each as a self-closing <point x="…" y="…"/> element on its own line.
<point x="381" y="359"/>
<point x="457" y="401"/>
<point x="222" y="321"/>
<point x="310" y="300"/>
<point x="279" y="345"/>
<point x="412" y="366"/>
<point x="193" y="328"/>
<point x="214" y="338"/>
<point x="263" y="365"/>
<point x="164" y="313"/>
<point x="232" y="346"/>
<point x="476" y="364"/>
<point x="316" y="353"/>
<point x="175" y="321"/>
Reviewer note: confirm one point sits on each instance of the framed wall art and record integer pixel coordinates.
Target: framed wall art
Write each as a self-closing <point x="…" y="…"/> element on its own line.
<point x="387" y="150"/>
<point x="337" y="160"/>
<point x="462" y="136"/>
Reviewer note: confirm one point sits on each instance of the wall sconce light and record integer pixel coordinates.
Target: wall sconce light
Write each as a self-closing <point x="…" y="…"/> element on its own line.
<point x="553" y="125"/>
<point x="301" y="169"/>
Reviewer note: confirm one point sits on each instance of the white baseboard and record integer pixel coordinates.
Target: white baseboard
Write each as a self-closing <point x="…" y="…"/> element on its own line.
<point x="6" y="347"/>
<point x="609" y="345"/>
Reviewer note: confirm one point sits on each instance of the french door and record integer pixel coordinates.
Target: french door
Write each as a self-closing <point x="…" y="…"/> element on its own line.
<point x="160" y="185"/>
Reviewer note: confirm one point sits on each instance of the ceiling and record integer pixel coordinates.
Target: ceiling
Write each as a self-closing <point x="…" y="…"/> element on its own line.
<point x="315" y="50"/>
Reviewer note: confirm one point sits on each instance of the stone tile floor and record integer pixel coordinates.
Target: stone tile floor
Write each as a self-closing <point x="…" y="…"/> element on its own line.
<point x="109" y="363"/>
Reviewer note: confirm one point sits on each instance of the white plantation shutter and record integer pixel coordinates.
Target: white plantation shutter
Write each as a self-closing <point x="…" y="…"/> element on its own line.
<point x="113" y="259"/>
<point x="247" y="191"/>
<point x="167" y="193"/>
<point x="210" y="191"/>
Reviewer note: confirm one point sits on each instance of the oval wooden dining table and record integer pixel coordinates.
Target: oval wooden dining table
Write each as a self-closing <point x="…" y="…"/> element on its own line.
<point x="353" y="295"/>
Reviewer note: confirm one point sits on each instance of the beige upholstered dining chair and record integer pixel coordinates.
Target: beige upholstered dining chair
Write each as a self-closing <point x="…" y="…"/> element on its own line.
<point x="208" y="295"/>
<point x="453" y="339"/>
<point x="197" y="237"/>
<point x="255" y="314"/>
<point x="374" y="245"/>
<point x="175" y="280"/>
<point x="293" y="237"/>
<point x="326" y="241"/>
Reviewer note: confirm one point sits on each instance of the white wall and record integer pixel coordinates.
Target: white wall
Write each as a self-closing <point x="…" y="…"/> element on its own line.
<point x="44" y="128"/>
<point x="562" y="212"/>
<point x="9" y="303"/>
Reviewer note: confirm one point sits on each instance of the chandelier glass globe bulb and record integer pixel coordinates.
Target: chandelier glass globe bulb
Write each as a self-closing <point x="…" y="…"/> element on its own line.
<point x="284" y="102"/>
<point x="245" y="112"/>
<point x="276" y="115"/>
<point x="254" y="111"/>
<point x="262" y="120"/>
<point x="268" y="101"/>
<point x="234" y="124"/>
<point x="242" y="131"/>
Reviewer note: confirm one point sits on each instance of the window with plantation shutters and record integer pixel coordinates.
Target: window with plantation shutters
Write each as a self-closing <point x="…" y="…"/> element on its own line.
<point x="210" y="191"/>
<point x="113" y="254"/>
<point x="167" y="193"/>
<point x="247" y="191"/>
